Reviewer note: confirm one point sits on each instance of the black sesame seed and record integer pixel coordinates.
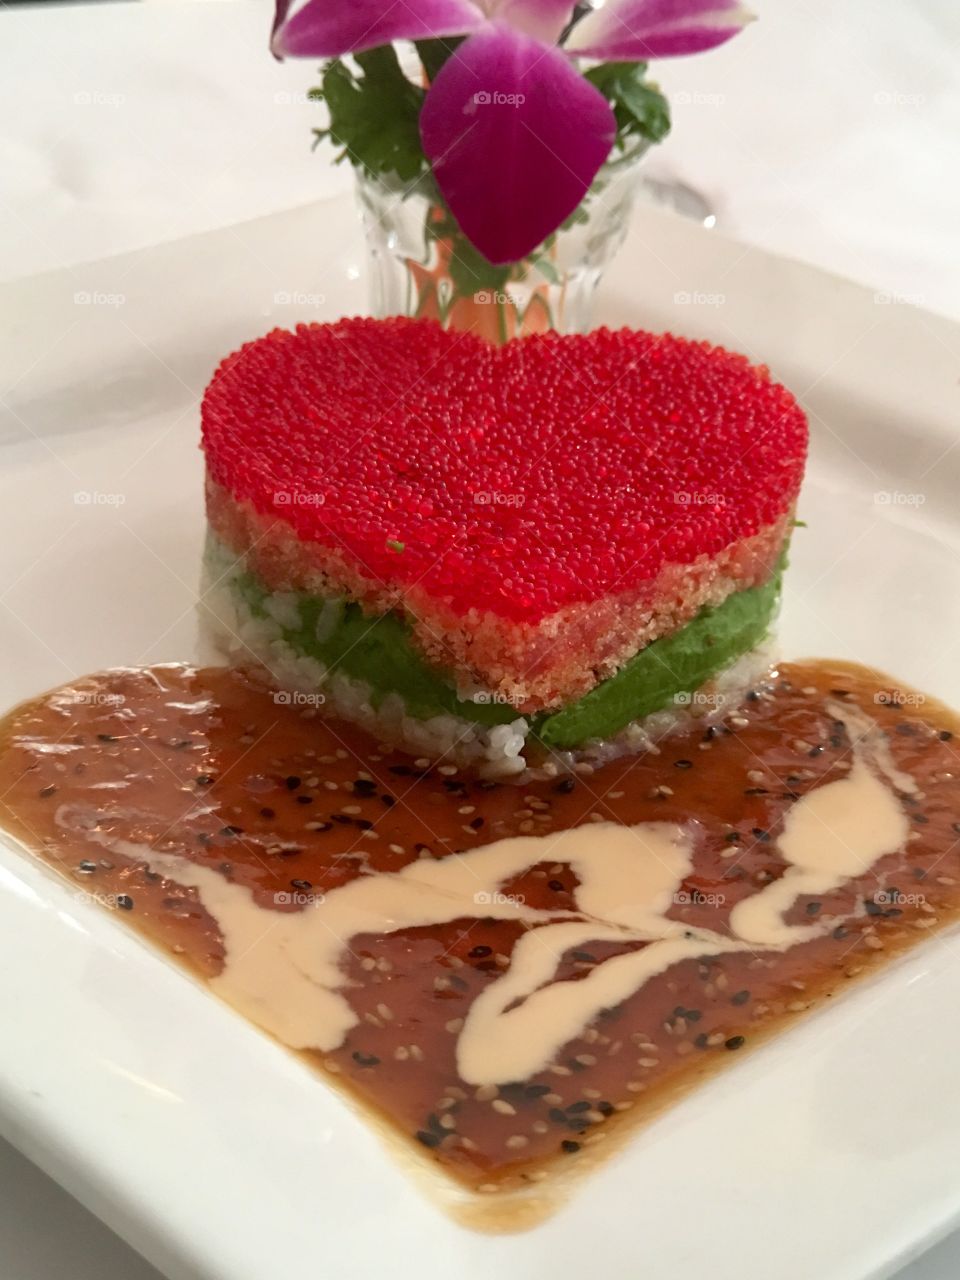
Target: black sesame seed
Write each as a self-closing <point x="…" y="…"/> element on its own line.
<point x="87" y="867"/>
<point x="569" y="1146"/>
<point x="956" y="827"/>
<point x="124" y="902"/>
<point x="480" y="952"/>
<point x="401" y="770"/>
<point x="485" y="784"/>
<point x="301" y="884"/>
<point x="732" y="837"/>
<point x="907" y="730"/>
<point x="455" y="786"/>
<point x="944" y="735"/>
<point x="364" y="786"/>
<point x="433" y="1123"/>
<point x="204" y="780"/>
<point x="292" y="782"/>
<point x="683" y="764"/>
<point x="813" y="908"/>
<point x="605" y="1108"/>
<point x="701" y="1040"/>
<point x="840" y="932"/>
<point x="921" y="818"/>
<point x="576" y="1107"/>
<point x="477" y="823"/>
<point x="108" y="737"/>
<point x="231" y="830"/>
<point x="537" y="1090"/>
<point x="740" y="998"/>
<point x="304" y="799"/>
<point x="364" y="824"/>
<point x="815" y="751"/>
<point x="840" y="693"/>
<point x="584" y="957"/>
<point x="428" y="1139"/>
<point x="756" y="791"/>
<point x="711" y="733"/>
<point x="735" y="1042"/>
<point x="365" y="1059"/>
<point x="556" y="885"/>
<point x="343" y="818"/>
<point x="760" y="834"/>
<point x="267" y="813"/>
<point x="565" y="786"/>
<point x="557" y="1116"/>
<point x="872" y="908"/>
<point x="388" y="799"/>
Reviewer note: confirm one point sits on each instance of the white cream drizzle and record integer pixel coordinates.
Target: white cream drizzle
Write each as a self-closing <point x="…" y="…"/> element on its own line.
<point x="285" y="970"/>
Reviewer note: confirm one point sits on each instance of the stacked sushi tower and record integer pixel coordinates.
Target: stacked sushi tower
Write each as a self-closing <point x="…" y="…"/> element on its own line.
<point x="518" y="557"/>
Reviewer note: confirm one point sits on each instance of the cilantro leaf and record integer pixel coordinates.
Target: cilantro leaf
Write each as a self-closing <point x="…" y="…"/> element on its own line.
<point x="374" y="116"/>
<point x="640" y="109"/>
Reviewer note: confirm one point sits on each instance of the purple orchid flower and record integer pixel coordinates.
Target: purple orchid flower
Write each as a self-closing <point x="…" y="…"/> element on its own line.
<point x="513" y="132"/>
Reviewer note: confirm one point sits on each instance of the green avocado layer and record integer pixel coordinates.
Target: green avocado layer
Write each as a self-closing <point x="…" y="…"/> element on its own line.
<point x="380" y="651"/>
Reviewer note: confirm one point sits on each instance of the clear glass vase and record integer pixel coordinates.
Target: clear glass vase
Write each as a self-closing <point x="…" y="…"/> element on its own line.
<point x="421" y="264"/>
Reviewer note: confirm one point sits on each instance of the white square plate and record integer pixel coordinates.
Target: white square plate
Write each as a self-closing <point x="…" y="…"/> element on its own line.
<point x="829" y="1153"/>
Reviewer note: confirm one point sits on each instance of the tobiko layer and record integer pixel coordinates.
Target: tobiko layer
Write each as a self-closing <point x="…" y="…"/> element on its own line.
<point x="529" y="519"/>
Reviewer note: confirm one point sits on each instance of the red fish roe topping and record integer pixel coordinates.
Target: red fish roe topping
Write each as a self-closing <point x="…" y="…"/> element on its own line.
<point x="551" y="471"/>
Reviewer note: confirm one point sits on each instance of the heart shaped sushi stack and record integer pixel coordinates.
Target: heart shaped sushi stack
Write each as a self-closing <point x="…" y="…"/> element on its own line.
<point x="563" y="545"/>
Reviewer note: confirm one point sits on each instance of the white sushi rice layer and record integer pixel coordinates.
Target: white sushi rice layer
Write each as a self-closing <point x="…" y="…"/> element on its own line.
<point x="232" y="634"/>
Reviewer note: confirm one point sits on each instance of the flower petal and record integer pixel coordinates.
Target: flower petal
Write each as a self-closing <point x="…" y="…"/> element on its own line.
<point x="331" y="28"/>
<point x="640" y="29"/>
<point x="515" y="136"/>
<point x="544" y="19"/>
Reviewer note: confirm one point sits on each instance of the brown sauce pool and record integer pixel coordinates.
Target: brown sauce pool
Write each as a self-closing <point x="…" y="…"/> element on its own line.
<point x="212" y="766"/>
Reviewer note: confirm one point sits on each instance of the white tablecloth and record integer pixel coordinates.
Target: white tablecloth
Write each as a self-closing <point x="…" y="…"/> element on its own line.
<point x="830" y="132"/>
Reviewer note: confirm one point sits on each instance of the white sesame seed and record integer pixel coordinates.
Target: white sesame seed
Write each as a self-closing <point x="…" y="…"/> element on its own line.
<point x="504" y="1107"/>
